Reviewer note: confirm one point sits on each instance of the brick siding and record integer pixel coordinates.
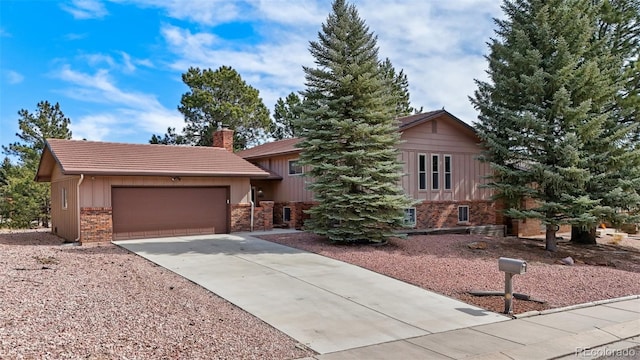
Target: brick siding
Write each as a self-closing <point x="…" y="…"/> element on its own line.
<point x="241" y="217"/>
<point x="444" y="214"/>
<point x="297" y="213"/>
<point x="429" y="214"/>
<point x="96" y="224"/>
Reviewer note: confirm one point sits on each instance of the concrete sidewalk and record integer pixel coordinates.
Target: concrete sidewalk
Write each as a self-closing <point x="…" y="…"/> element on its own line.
<point x="325" y="304"/>
<point x="608" y="329"/>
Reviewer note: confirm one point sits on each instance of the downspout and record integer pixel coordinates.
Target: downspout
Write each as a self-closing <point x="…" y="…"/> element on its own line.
<point x="253" y="206"/>
<point x="78" y="202"/>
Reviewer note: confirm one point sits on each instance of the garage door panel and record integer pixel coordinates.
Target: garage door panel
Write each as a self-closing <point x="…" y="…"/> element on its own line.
<point x="140" y="212"/>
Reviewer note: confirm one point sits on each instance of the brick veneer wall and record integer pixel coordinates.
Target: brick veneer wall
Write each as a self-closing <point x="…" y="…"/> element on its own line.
<point x="444" y="214"/>
<point x="297" y="213"/>
<point x="96" y="224"/>
<point x="262" y="217"/>
<point x="429" y="214"/>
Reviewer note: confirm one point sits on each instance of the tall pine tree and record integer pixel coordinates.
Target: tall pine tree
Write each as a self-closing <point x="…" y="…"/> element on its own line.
<point x="616" y="166"/>
<point x="398" y="86"/>
<point x="549" y="94"/>
<point x="218" y="98"/>
<point x="350" y="135"/>
<point x="286" y="115"/>
<point x="29" y="201"/>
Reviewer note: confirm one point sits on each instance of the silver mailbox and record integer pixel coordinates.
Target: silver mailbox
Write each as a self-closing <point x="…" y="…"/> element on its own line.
<point x="512" y="266"/>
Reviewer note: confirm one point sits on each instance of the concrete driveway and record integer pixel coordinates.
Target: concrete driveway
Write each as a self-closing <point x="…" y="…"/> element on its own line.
<point x="325" y="304"/>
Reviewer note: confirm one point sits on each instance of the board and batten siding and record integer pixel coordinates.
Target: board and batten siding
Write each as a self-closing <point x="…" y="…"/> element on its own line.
<point x="95" y="191"/>
<point x="64" y="221"/>
<point x="438" y="137"/>
<point x="292" y="187"/>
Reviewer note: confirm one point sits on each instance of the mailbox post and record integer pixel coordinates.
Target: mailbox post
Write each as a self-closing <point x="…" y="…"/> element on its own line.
<point x="510" y="268"/>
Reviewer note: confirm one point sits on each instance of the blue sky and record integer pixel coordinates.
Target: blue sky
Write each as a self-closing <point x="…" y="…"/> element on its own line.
<point x="115" y="65"/>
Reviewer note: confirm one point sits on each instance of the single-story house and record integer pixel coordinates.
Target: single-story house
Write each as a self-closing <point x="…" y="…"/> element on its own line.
<point x="441" y="172"/>
<point x="103" y="191"/>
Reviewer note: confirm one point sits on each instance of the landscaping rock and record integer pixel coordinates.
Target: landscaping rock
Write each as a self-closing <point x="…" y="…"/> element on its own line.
<point x="477" y="245"/>
<point x="567" y="261"/>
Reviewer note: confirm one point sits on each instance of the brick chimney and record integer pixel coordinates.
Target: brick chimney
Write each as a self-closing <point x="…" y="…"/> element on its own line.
<point x="223" y="138"/>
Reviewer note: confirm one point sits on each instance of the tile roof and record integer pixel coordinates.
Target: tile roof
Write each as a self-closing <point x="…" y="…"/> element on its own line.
<point x="104" y="158"/>
<point x="288" y="146"/>
<point x="412" y="120"/>
<point x="280" y="147"/>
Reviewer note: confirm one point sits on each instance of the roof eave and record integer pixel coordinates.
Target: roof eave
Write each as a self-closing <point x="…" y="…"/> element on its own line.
<point x="283" y="153"/>
<point x="91" y="172"/>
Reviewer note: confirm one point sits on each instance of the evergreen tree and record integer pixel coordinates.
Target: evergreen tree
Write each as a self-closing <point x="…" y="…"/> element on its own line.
<point x="47" y="122"/>
<point x="549" y="94"/>
<point x="350" y="135"/>
<point x="616" y="168"/>
<point x="24" y="200"/>
<point x="286" y="116"/>
<point x="398" y="87"/>
<point x="171" y="137"/>
<point x="217" y="98"/>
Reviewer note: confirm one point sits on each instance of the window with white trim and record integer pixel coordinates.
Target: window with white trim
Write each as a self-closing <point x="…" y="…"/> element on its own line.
<point x="410" y="217"/>
<point x="295" y="168"/>
<point x="422" y="172"/>
<point x="65" y="203"/>
<point x="286" y="213"/>
<point x="435" y="172"/>
<point x="447" y="172"/>
<point x="463" y="213"/>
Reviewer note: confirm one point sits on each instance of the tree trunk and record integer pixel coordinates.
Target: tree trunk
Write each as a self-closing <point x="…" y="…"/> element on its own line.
<point x="551" y="238"/>
<point x="580" y="235"/>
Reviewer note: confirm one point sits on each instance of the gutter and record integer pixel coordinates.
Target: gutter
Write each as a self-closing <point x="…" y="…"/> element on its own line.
<point x="253" y="206"/>
<point x="78" y="202"/>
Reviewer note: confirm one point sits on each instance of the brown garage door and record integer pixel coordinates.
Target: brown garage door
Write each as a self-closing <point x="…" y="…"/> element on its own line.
<point x="145" y="212"/>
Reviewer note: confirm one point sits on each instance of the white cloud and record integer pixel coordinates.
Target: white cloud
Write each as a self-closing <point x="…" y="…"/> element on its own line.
<point x="85" y="9"/>
<point x="440" y="46"/>
<point x="128" y="112"/>
<point x="291" y="12"/>
<point x="98" y="59"/>
<point x="273" y="68"/>
<point x="126" y="62"/>
<point x="207" y="12"/>
<point x="95" y="127"/>
<point x="75" y="36"/>
<point x="144" y="62"/>
<point x="13" y="77"/>
<point x="4" y="32"/>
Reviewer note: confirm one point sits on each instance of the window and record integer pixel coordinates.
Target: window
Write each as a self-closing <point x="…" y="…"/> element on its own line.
<point x="64" y="198"/>
<point x="286" y="213"/>
<point x="463" y="213"/>
<point x="422" y="172"/>
<point x="435" y="172"/>
<point x="447" y="172"/>
<point x="294" y="167"/>
<point x="410" y="217"/>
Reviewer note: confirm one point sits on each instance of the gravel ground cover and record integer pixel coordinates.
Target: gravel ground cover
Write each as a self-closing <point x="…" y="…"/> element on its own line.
<point x="102" y="302"/>
<point x="445" y="264"/>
